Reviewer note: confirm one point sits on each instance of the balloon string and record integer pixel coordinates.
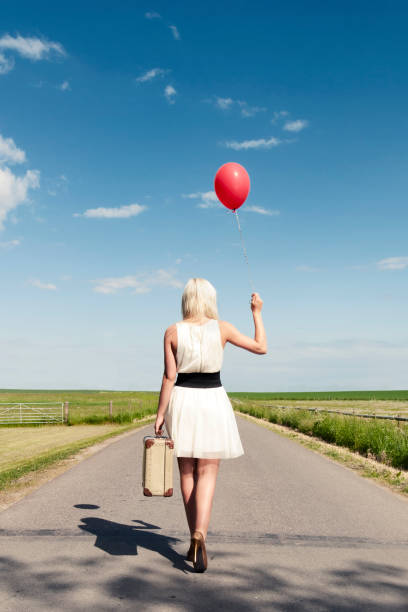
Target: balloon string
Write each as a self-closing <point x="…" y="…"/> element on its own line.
<point x="244" y="249"/>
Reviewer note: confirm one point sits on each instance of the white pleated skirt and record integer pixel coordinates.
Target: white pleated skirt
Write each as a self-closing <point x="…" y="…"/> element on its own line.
<point x="202" y="423"/>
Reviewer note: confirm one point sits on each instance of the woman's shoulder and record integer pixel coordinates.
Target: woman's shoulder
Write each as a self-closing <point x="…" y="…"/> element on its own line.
<point x="170" y="331"/>
<point x="225" y="324"/>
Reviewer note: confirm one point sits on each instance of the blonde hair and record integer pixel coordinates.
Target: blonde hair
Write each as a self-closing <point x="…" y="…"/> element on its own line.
<point x="199" y="299"/>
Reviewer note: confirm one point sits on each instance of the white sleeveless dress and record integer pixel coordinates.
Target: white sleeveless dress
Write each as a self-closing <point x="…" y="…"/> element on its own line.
<point x="201" y="421"/>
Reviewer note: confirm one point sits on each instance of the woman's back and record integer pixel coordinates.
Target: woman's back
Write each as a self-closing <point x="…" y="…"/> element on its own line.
<point x="199" y="347"/>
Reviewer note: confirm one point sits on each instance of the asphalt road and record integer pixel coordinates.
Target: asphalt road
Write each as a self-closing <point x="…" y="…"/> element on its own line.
<point x="290" y="530"/>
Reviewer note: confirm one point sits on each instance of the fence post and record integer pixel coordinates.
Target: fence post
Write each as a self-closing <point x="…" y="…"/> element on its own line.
<point x="66" y="411"/>
<point x="21" y="417"/>
<point x="110" y="409"/>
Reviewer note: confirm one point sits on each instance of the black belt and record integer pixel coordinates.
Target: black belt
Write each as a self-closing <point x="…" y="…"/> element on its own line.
<point x="198" y="380"/>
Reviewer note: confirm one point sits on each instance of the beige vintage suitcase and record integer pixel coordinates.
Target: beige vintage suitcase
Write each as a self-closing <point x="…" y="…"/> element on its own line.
<point x="158" y="453"/>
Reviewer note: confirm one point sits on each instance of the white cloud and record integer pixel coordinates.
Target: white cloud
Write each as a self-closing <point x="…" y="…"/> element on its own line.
<point x="250" y="111"/>
<point x="295" y="126"/>
<point x="14" y="190"/>
<point x="140" y="283"/>
<point x="6" y="64"/>
<point x="151" y="74"/>
<point x="113" y="285"/>
<point x="170" y="93"/>
<point x="152" y="15"/>
<point x="65" y="86"/>
<point x="175" y="32"/>
<point x="306" y="268"/>
<point x="245" y="108"/>
<point x="393" y="263"/>
<point x="121" y="212"/>
<point x="261" y="143"/>
<point x="40" y="285"/>
<point x="9" y="152"/>
<point x="10" y="244"/>
<point x="207" y="199"/>
<point x="31" y="48"/>
<point x="278" y="115"/>
<point x="262" y="211"/>
<point x="224" y="103"/>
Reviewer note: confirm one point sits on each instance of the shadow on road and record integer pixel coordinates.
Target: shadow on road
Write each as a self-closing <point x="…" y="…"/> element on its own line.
<point x="120" y="539"/>
<point x="62" y="581"/>
<point x="86" y="506"/>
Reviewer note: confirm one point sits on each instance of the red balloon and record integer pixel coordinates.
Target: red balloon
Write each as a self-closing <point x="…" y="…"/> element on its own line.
<point x="231" y="185"/>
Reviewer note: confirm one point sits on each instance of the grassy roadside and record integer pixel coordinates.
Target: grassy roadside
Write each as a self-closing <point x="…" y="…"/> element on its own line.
<point x="11" y="473"/>
<point x="367" y="467"/>
<point x="386" y="441"/>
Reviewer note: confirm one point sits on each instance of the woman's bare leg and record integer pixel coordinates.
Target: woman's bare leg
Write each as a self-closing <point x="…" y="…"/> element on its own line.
<point x="187" y="467"/>
<point x="207" y="470"/>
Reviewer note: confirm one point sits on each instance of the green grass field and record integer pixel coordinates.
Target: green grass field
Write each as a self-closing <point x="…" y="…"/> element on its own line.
<point x="126" y="396"/>
<point x="384" y="440"/>
<point x="25" y="450"/>
<point x="20" y="444"/>
<point x="91" y="407"/>
<point x="326" y="395"/>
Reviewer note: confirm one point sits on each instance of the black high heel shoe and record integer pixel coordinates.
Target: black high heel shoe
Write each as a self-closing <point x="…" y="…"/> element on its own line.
<point x="199" y="552"/>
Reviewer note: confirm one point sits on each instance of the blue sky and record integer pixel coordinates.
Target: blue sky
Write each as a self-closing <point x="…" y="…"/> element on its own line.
<point x="113" y="122"/>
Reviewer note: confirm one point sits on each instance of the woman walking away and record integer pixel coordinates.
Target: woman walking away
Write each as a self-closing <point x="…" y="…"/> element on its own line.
<point x="195" y="408"/>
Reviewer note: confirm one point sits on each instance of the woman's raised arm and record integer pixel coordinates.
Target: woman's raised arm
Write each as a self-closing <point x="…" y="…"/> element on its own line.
<point x="254" y="345"/>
